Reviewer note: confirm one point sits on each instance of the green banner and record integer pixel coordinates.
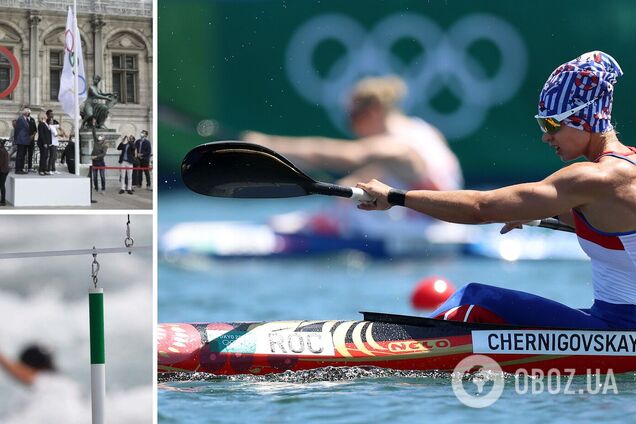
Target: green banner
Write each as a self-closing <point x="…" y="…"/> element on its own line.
<point x="474" y="69"/>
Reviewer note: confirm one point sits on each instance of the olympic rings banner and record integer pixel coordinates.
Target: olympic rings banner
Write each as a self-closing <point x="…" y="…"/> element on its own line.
<point x="473" y="68"/>
<point x="15" y="72"/>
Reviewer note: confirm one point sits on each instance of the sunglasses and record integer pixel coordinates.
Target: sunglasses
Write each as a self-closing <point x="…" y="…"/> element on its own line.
<point x="552" y="124"/>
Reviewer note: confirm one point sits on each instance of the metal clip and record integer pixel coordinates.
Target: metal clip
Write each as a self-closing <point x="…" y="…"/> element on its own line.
<point x="94" y="268"/>
<point x="128" y="241"/>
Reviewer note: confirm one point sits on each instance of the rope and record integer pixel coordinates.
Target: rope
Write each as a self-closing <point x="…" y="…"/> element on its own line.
<point x="78" y="252"/>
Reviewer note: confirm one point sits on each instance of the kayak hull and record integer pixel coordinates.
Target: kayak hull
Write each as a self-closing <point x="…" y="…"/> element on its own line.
<point x="413" y="344"/>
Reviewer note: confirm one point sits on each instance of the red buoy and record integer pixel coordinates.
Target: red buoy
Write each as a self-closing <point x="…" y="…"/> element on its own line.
<point x="431" y="292"/>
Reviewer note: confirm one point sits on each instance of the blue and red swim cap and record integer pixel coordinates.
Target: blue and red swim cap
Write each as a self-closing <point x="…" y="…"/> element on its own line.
<point x="590" y="76"/>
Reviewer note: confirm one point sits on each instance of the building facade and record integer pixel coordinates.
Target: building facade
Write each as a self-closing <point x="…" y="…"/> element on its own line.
<point x="116" y="38"/>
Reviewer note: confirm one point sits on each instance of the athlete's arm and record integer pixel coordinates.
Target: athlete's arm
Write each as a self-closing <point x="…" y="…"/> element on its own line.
<point x="19" y="371"/>
<point x="330" y="153"/>
<point x="573" y="186"/>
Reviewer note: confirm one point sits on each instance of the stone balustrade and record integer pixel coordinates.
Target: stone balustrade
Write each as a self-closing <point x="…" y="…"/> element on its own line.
<point x="139" y="8"/>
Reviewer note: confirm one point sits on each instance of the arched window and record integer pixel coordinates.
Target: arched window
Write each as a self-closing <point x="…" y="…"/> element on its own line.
<point x="126" y="50"/>
<point x="6" y="73"/>
<point x="56" y="63"/>
<point x="10" y="39"/>
<point x="126" y="77"/>
<point x="54" y="42"/>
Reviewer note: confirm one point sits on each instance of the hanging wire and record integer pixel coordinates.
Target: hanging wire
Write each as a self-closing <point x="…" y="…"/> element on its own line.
<point x="128" y="241"/>
<point x="94" y="268"/>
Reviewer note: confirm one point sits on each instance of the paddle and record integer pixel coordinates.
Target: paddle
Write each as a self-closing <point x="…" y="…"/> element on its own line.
<point x="246" y="170"/>
<point x="250" y="171"/>
<point x="551" y="223"/>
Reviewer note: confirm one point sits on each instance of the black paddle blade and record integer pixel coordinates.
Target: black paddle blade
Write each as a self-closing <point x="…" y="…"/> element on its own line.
<point x="242" y="170"/>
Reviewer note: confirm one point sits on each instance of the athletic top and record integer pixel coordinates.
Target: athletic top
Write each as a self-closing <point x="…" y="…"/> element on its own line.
<point x="613" y="256"/>
<point x="443" y="167"/>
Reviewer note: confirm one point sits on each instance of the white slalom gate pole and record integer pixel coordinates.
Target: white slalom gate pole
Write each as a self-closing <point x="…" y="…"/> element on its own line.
<point x="76" y="36"/>
<point x="98" y="357"/>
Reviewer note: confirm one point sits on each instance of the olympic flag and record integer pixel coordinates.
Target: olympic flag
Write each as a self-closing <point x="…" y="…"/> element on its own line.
<point x="73" y="81"/>
<point x="72" y="51"/>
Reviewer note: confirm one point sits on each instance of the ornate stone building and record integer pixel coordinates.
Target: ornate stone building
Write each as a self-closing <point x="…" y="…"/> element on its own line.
<point x="116" y="42"/>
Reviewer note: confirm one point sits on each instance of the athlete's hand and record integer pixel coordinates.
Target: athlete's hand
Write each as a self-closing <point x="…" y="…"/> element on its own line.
<point x="378" y="192"/>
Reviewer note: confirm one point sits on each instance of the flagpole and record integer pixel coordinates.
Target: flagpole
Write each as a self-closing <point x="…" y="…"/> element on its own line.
<point x="76" y="36"/>
<point x="95" y="297"/>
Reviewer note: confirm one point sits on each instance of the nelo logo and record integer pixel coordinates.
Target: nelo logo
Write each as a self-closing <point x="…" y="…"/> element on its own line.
<point x="418" y="345"/>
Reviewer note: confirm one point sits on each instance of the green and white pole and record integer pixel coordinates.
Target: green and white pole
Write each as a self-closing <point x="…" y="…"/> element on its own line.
<point x="98" y="360"/>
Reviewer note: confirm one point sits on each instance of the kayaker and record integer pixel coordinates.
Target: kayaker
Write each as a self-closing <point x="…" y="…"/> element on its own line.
<point x="405" y="150"/>
<point x="50" y="396"/>
<point x="34" y="359"/>
<point x="598" y="197"/>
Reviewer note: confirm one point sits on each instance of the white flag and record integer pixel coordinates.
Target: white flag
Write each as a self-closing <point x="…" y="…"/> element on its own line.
<point x="72" y="52"/>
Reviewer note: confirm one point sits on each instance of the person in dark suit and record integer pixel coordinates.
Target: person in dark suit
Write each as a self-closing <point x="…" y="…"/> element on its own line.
<point x="144" y="151"/>
<point x="22" y="139"/>
<point x="126" y="159"/>
<point x="4" y="171"/>
<point x="33" y="129"/>
<point x="44" y="144"/>
<point x="100" y="149"/>
<point x="68" y="155"/>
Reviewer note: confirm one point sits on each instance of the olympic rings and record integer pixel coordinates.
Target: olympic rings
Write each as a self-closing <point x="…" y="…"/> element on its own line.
<point x="68" y="33"/>
<point x="16" y="72"/>
<point x="444" y="62"/>
<point x="82" y="91"/>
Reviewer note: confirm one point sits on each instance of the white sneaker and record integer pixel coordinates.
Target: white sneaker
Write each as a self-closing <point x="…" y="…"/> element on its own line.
<point x="57" y="172"/>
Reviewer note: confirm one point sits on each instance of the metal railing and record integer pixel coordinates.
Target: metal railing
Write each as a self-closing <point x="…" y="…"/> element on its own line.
<point x="36" y="153"/>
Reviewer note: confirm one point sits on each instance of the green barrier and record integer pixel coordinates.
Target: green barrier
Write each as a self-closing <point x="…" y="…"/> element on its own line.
<point x="474" y="69"/>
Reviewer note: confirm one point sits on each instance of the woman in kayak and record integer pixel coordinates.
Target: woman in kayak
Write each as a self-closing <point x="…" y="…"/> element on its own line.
<point x="404" y="150"/>
<point x="598" y="197"/>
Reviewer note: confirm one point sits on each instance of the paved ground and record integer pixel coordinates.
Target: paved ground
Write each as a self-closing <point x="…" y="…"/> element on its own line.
<point x="111" y="199"/>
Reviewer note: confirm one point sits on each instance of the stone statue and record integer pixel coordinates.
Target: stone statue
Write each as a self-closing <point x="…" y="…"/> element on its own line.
<point x="94" y="112"/>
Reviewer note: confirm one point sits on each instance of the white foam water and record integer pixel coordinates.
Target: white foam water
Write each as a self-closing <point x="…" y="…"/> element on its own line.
<point x="45" y="301"/>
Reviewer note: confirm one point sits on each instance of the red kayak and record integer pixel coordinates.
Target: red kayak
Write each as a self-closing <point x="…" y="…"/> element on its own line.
<point x="387" y="341"/>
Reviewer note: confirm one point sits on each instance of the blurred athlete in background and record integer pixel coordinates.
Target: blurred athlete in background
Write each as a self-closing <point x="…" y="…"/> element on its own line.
<point x="404" y="150"/>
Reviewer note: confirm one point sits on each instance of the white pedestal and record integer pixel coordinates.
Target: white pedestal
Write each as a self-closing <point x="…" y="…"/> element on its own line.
<point x="49" y="190"/>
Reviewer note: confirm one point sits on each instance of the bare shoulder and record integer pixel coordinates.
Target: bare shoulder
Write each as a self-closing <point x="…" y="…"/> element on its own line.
<point x="618" y="168"/>
<point x="583" y="177"/>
